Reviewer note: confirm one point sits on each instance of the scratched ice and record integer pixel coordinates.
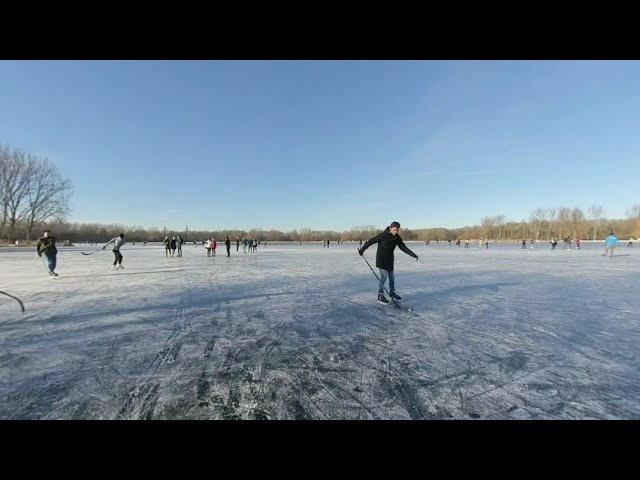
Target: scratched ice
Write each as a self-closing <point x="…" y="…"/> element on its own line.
<point x="294" y="332"/>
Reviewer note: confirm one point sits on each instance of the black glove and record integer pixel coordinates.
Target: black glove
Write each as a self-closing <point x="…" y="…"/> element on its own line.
<point x="104" y="247"/>
<point x="360" y="252"/>
<point x="416" y="258"/>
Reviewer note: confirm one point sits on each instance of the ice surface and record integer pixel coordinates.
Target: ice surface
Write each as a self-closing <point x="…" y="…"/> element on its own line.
<point x="295" y="332"/>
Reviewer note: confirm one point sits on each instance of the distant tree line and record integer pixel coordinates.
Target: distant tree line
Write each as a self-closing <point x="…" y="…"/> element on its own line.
<point x="32" y="193"/>
<point x="543" y="224"/>
<point x="94" y="232"/>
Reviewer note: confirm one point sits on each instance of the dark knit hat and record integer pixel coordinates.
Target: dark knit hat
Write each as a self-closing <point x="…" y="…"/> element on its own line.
<point x="394" y="224"/>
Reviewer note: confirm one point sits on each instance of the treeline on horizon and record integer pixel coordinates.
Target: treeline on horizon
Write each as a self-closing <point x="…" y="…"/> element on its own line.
<point x="543" y="224"/>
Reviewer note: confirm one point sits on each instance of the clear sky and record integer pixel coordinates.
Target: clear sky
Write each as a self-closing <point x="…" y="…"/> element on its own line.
<point x="328" y="144"/>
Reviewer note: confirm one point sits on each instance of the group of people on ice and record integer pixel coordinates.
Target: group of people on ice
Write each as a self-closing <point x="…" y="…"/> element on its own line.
<point x="47" y="251"/>
<point x="326" y="243"/>
<point x="250" y="245"/>
<point x="387" y="241"/>
<point x="173" y="245"/>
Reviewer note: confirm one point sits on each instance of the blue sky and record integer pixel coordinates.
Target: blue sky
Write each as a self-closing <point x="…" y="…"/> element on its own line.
<point x="328" y="144"/>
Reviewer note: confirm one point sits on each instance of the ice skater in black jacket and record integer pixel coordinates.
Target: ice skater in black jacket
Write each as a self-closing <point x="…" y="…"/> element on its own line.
<point x="387" y="242"/>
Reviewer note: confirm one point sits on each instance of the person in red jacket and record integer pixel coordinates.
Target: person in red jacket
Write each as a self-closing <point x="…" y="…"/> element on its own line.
<point x="214" y="245"/>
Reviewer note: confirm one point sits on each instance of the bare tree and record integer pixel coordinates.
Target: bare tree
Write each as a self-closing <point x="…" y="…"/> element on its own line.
<point x="487" y="224"/>
<point x="500" y="220"/>
<point x="4" y="165"/>
<point x="551" y="219"/>
<point x="47" y="196"/>
<point x="305" y="234"/>
<point x="538" y="220"/>
<point x="634" y="216"/>
<point x="15" y="177"/>
<point x="254" y="233"/>
<point x="564" y="221"/>
<point x="577" y="220"/>
<point x="596" y="213"/>
<point x="363" y="232"/>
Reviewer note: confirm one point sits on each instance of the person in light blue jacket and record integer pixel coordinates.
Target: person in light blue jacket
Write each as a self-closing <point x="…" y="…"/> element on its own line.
<point x="610" y="244"/>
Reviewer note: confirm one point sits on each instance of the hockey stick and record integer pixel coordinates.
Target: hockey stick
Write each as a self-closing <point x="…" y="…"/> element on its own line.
<point x="91" y="253"/>
<point x="15" y="298"/>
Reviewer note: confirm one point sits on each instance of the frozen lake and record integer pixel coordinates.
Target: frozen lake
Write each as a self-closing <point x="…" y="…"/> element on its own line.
<point x="294" y="332"/>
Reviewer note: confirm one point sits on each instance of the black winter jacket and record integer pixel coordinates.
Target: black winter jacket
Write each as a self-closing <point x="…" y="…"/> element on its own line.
<point x="386" y="245"/>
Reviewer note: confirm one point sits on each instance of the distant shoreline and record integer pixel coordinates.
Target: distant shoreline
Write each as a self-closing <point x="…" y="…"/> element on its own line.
<point x="297" y="242"/>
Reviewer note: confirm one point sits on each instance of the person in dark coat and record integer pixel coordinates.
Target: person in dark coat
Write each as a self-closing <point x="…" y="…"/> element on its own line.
<point x="227" y="243"/>
<point x="46" y="248"/>
<point x="167" y="246"/>
<point x="387" y="241"/>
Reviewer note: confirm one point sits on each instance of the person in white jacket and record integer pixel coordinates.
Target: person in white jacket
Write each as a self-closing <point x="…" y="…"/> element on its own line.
<point x="117" y="243"/>
<point x="207" y="245"/>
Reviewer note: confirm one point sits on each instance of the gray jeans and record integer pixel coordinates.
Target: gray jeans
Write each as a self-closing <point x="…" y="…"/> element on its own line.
<point x="383" y="278"/>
